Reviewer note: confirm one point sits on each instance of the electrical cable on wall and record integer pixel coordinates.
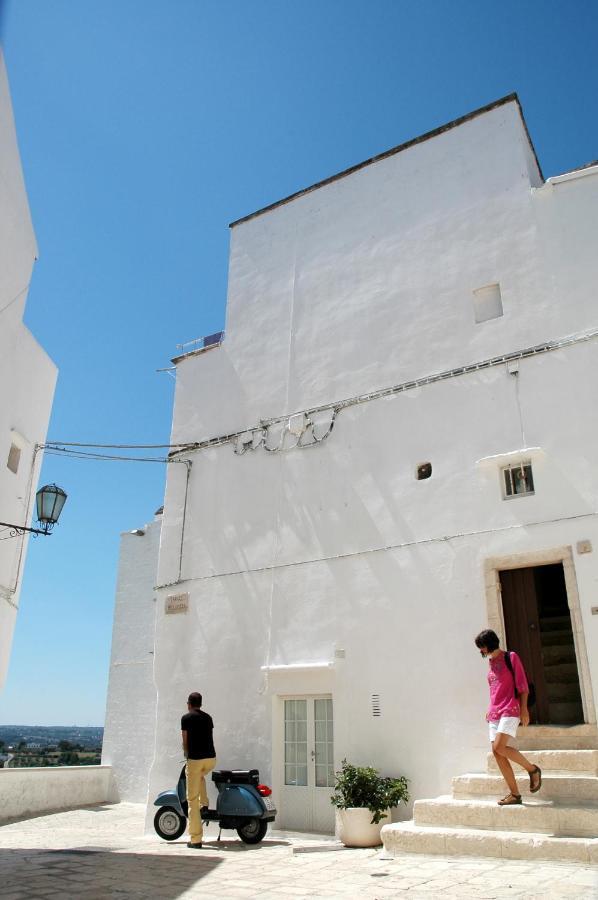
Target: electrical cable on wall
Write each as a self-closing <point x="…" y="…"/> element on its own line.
<point x="258" y="435"/>
<point x="302" y="429"/>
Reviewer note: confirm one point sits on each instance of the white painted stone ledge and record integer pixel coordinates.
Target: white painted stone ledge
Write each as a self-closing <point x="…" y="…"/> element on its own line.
<point x="32" y="792"/>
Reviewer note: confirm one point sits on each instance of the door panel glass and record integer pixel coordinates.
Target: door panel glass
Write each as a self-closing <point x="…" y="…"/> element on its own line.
<point x="295" y="743"/>
<point x="324" y="748"/>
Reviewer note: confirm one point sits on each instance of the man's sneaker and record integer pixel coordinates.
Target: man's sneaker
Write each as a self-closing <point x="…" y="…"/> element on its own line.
<point x="510" y="800"/>
<point x="196" y="846"/>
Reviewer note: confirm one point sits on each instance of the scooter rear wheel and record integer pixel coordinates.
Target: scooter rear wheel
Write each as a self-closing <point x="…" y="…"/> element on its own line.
<point x="253" y="831"/>
<point x="169" y="824"/>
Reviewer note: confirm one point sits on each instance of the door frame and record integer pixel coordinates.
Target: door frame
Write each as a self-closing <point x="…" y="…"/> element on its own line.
<point x="278" y="769"/>
<point x="492" y="567"/>
<point x="283" y="682"/>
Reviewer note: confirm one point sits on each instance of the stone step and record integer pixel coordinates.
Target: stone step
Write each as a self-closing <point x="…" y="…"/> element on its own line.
<point x="561" y="672"/>
<point x="567" y="692"/>
<point x="552" y="638"/>
<point x="558" y="654"/>
<point x="554" y="737"/>
<point x="565" y="713"/>
<point x="555" y="623"/>
<point x="575" y="790"/>
<point x="563" y="762"/>
<point x="538" y="816"/>
<point x="405" y="837"/>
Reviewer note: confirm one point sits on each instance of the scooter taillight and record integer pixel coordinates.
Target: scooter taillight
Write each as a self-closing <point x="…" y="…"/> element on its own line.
<point x="264" y="790"/>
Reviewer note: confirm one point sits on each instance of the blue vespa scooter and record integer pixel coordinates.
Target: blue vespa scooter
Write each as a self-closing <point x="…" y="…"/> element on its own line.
<point x="243" y="804"/>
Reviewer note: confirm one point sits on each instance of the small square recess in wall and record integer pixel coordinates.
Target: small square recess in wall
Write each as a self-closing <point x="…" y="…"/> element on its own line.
<point x="487" y="303"/>
<point x="14" y="458"/>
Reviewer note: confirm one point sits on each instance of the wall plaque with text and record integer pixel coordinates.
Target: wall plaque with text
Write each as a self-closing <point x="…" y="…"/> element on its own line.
<point x="176" y="603"/>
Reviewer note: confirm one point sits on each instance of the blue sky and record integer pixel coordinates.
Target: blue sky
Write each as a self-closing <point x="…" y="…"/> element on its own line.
<point x="145" y="127"/>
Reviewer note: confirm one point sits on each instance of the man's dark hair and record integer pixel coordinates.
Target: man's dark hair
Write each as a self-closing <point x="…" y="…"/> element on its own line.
<point x="195" y="698"/>
<point x="488" y="639"/>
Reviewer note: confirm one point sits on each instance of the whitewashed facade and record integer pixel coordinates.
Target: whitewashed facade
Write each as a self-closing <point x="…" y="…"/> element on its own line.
<point x="27" y="375"/>
<point x="129" y="729"/>
<point x="400" y="314"/>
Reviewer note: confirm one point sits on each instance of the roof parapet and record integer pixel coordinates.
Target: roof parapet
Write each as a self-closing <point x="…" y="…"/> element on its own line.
<point x="509" y="98"/>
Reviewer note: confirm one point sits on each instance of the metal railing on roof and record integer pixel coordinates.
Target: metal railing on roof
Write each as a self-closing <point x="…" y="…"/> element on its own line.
<point x="201" y="343"/>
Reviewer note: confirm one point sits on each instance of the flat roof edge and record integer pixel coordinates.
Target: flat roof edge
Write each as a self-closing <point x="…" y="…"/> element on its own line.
<point x="509" y="98"/>
<point x="198" y="352"/>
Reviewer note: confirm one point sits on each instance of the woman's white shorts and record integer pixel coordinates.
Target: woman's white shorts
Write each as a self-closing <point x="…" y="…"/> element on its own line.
<point x="505" y="725"/>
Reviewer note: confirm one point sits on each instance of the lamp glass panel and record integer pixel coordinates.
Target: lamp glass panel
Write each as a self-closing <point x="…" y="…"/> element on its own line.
<point x="50" y="501"/>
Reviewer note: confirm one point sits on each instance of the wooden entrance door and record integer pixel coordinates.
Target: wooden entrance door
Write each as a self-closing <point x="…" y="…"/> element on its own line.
<point x="538" y="627"/>
<point x="522" y="627"/>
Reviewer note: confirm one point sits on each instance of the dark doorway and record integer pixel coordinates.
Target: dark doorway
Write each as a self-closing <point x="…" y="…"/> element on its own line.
<point x="538" y="628"/>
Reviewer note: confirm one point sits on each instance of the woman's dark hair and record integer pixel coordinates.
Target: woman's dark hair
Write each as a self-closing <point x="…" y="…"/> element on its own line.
<point x="194" y="699"/>
<point x="488" y="639"/>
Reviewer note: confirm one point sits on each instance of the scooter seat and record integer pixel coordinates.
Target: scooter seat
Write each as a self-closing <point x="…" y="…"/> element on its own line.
<point x="236" y="776"/>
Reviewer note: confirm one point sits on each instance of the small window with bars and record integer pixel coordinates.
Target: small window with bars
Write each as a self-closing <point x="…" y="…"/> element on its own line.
<point x="518" y="480"/>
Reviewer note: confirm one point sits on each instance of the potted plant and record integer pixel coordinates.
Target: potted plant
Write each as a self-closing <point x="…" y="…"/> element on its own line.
<point x="363" y="799"/>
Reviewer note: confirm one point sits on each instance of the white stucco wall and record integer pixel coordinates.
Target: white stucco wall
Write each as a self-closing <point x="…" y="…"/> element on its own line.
<point x="35" y="791"/>
<point x="290" y="558"/>
<point x="129" y="729"/>
<point x="27" y="375"/>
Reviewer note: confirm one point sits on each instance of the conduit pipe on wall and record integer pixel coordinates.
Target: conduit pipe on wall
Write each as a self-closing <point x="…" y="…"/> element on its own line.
<point x="238" y="437"/>
<point x="8" y="592"/>
<point x="438" y="539"/>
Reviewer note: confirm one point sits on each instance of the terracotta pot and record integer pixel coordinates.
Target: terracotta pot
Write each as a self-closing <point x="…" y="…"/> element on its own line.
<point x="354" y="828"/>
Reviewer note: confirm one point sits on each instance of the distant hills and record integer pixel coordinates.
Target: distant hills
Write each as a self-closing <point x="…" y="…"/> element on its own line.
<point x="51" y="735"/>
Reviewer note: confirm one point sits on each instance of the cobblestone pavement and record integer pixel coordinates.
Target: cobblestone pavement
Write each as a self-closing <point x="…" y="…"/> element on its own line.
<point x="101" y="852"/>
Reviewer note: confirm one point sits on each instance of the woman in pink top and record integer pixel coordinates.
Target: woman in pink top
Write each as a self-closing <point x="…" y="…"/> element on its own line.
<point x="508" y="706"/>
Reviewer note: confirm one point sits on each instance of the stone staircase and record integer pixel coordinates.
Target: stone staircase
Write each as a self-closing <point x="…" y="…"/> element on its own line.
<point x="560" y="670"/>
<point x="559" y="823"/>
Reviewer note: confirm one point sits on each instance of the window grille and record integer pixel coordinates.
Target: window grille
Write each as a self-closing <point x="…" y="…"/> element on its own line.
<point x="518" y="480"/>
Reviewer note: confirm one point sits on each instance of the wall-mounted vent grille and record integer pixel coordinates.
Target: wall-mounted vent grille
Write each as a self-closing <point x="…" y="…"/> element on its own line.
<point x="376" y="705"/>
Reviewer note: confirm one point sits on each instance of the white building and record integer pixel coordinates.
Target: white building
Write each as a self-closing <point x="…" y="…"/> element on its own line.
<point x="27" y="375"/>
<point x="392" y="448"/>
<point x="129" y="730"/>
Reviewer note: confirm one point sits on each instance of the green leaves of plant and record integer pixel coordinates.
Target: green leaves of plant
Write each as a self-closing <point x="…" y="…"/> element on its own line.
<point x="364" y="787"/>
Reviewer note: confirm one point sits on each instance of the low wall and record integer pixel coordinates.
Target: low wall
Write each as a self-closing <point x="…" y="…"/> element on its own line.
<point x="33" y="792"/>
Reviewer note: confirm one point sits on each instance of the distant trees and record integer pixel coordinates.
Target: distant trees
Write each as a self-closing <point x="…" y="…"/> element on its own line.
<point x="57" y="752"/>
<point x="66" y="746"/>
<point x="68" y="758"/>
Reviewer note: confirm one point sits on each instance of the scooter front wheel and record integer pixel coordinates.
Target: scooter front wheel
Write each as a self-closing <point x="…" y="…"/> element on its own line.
<point x="253" y="831"/>
<point x="169" y="824"/>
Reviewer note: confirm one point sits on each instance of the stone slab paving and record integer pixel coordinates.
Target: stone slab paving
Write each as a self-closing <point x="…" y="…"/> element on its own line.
<point x="101" y="852"/>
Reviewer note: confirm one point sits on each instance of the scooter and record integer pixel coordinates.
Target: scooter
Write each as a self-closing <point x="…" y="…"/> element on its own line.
<point x="243" y="804"/>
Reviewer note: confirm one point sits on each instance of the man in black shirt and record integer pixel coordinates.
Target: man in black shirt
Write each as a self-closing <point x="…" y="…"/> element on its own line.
<point x="198" y="745"/>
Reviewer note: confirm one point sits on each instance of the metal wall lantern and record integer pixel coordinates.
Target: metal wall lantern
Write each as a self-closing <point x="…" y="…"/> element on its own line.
<point x="49" y="501"/>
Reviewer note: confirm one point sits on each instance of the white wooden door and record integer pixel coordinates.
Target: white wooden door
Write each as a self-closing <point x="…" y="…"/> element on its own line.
<point x="307" y="754"/>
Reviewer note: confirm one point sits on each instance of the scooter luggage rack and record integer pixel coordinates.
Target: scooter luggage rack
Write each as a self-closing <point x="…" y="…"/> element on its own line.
<point x="236" y="776"/>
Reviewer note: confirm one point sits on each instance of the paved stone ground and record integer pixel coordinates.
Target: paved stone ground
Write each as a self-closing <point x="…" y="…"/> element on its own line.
<point x="101" y="852"/>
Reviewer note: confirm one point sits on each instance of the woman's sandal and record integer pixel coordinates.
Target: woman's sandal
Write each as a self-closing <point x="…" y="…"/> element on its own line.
<point x="535" y="780"/>
<point x="510" y="800"/>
